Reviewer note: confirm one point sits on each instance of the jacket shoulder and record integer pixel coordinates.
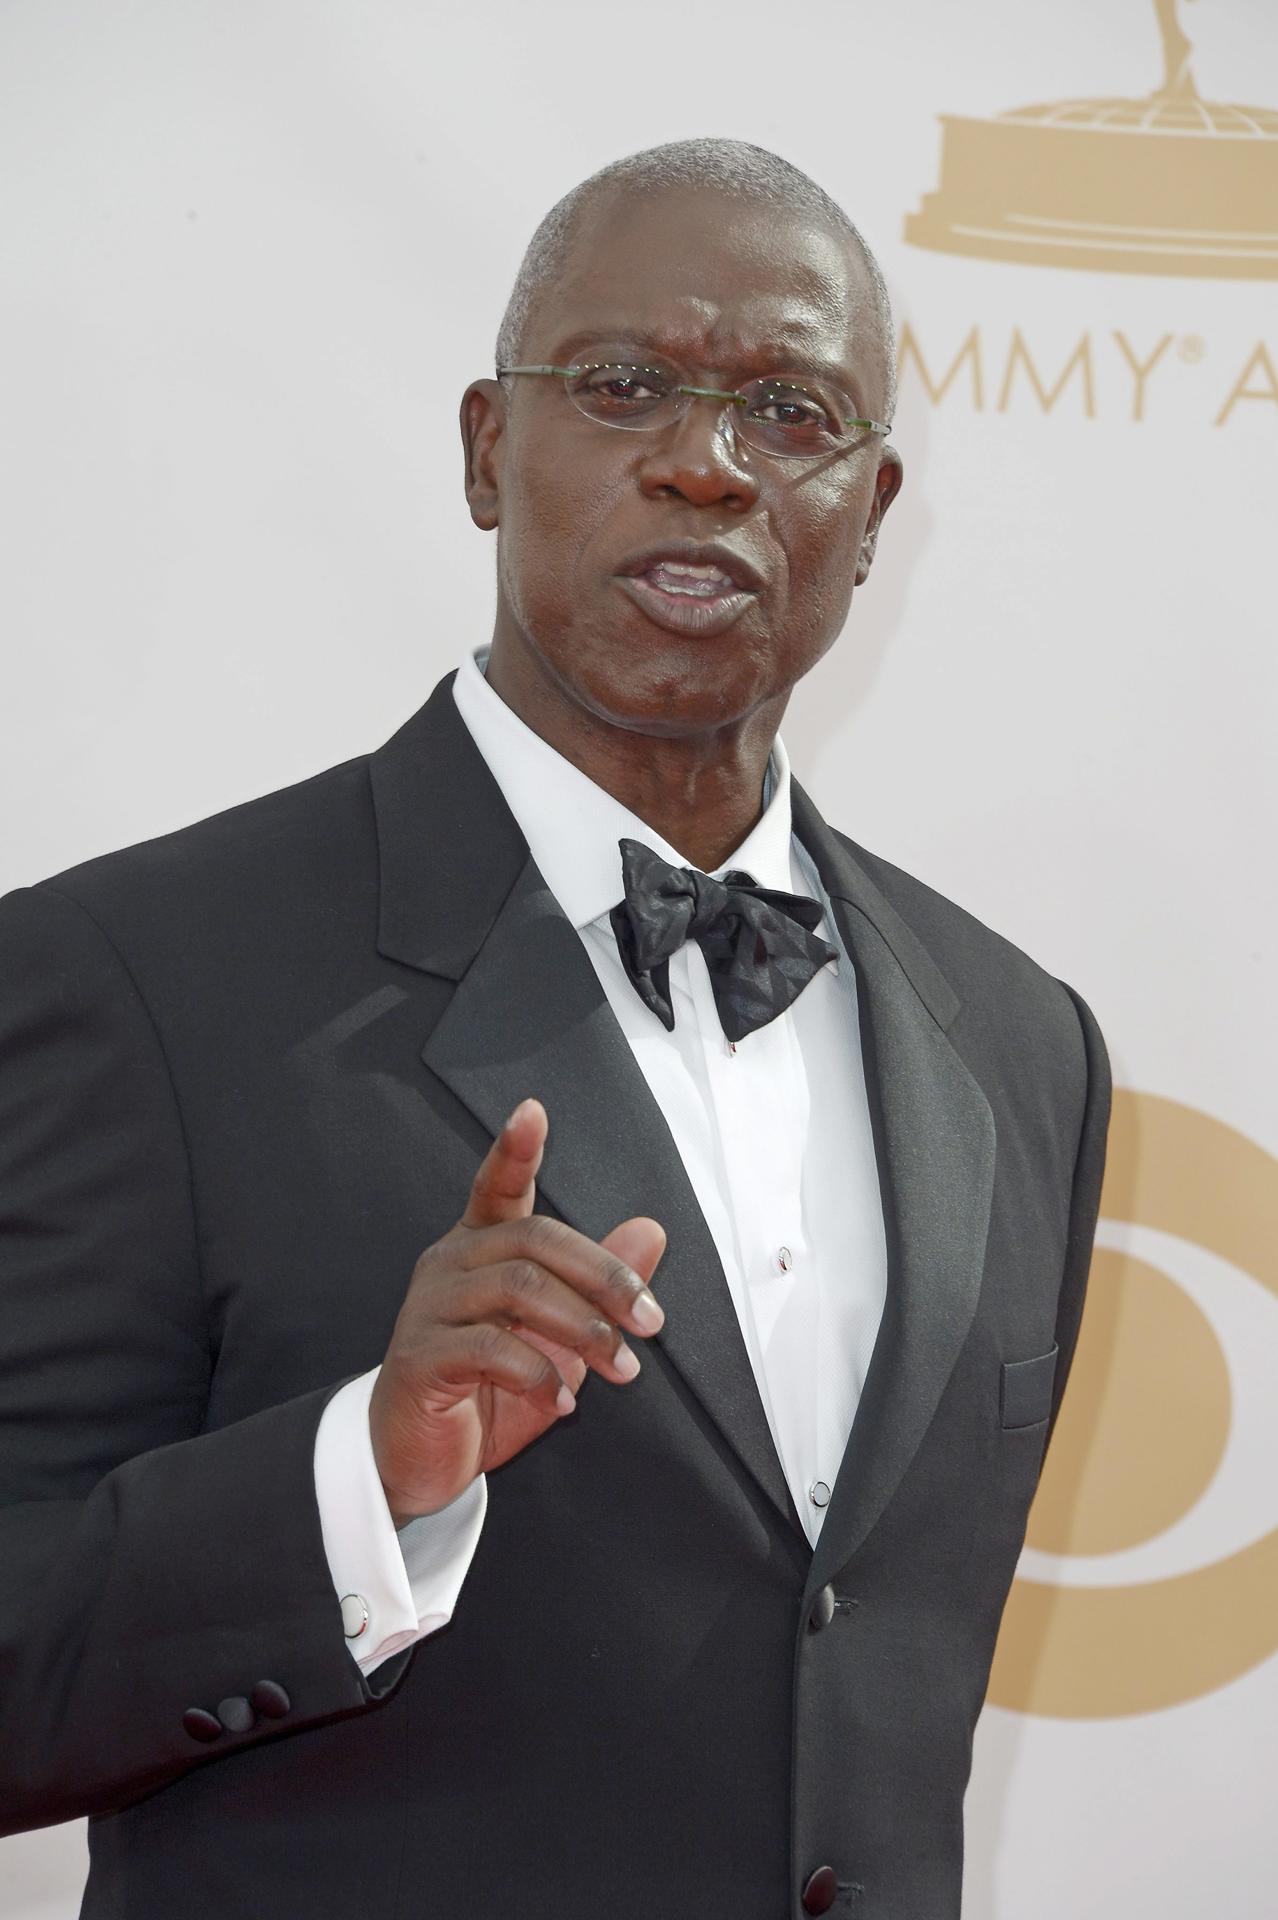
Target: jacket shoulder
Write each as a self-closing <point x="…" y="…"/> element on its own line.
<point x="280" y="860"/>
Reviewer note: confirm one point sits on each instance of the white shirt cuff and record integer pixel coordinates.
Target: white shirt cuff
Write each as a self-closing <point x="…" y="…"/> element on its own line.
<point x="400" y="1586"/>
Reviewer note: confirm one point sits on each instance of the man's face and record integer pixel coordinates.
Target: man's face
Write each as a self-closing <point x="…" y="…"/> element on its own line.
<point x="724" y="290"/>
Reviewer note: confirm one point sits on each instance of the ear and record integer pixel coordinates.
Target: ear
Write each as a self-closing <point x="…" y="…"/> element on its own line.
<point x="887" y="485"/>
<point x="483" y="421"/>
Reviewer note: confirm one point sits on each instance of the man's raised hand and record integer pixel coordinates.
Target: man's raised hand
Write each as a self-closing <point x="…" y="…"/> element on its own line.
<point x="502" y="1318"/>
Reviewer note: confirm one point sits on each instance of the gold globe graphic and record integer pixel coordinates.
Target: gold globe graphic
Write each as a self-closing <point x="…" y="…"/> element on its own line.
<point x="1167" y="184"/>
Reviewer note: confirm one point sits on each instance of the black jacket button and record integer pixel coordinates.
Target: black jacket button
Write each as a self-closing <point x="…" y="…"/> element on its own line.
<point x="201" y="1725"/>
<point x="236" y="1715"/>
<point x="270" y="1699"/>
<point x="819" y="1891"/>
<point x="821" y="1612"/>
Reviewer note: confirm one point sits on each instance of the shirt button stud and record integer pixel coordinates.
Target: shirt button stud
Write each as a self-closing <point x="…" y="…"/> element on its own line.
<point x="785" y="1259"/>
<point x="820" y="1891"/>
<point x="819" y="1494"/>
<point x="354" y="1615"/>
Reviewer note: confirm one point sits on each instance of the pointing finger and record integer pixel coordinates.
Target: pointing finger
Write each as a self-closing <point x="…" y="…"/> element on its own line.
<point x="504" y="1188"/>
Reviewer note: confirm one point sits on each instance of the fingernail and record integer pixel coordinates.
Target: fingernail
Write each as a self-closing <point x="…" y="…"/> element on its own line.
<point x="626" y="1361"/>
<point x="515" y="1115"/>
<point x="564" y="1401"/>
<point x="646" y="1313"/>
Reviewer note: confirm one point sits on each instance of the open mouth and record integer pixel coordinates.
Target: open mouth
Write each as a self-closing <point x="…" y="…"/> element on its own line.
<point x="701" y="583"/>
<point x="686" y="596"/>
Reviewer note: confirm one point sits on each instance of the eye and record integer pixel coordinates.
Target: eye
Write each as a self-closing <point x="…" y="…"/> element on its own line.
<point x="613" y="391"/>
<point x="792" y="413"/>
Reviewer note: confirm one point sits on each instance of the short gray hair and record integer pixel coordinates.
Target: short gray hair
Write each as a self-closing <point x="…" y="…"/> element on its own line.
<point x="734" y="166"/>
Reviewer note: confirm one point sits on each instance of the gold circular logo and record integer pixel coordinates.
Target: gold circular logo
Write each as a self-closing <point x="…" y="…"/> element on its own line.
<point x="1141" y="1433"/>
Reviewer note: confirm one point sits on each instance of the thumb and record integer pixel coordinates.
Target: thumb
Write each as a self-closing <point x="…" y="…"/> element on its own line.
<point x="639" y="1242"/>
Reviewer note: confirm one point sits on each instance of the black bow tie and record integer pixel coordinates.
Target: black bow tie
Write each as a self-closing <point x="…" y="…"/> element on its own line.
<point x="758" y="944"/>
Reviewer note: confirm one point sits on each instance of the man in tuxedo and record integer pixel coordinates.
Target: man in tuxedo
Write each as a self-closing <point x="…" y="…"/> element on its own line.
<point x="536" y="1274"/>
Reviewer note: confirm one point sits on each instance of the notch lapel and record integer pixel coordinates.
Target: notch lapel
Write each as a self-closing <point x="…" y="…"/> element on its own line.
<point x="462" y="898"/>
<point x="934" y="1139"/>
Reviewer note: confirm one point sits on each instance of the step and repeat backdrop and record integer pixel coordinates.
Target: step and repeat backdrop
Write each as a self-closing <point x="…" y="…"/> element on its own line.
<point x="249" y="257"/>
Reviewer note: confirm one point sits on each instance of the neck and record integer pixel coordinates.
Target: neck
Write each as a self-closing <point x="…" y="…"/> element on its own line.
<point x="702" y="791"/>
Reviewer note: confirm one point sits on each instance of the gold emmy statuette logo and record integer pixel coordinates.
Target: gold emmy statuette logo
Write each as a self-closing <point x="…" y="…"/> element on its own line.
<point x="1171" y="183"/>
<point x="1141" y="1433"/>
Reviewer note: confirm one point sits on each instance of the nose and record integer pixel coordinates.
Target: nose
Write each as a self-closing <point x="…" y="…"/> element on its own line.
<point x="700" y="458"/>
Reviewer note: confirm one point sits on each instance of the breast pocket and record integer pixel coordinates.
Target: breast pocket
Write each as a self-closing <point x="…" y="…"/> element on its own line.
<point x="1025" y="1390"/>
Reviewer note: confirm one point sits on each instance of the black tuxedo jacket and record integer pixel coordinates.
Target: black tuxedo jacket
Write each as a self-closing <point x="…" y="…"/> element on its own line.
<point x="246" y="1074"/>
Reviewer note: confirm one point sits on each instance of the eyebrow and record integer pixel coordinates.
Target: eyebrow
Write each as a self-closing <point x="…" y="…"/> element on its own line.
<point x="771" y="355"/>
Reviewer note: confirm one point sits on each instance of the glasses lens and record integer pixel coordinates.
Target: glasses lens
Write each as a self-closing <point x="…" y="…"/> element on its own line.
<point x="623" y="396"/>
<point x="780" y="416"/>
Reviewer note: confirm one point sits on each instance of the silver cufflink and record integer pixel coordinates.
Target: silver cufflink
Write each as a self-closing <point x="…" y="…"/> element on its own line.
<point x="354" y="1615"/>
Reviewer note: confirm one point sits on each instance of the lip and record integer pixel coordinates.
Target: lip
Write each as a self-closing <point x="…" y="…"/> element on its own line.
<point x="701" y="617"/>
<point x="696" y="553"/>
<point x="681" y="612"/>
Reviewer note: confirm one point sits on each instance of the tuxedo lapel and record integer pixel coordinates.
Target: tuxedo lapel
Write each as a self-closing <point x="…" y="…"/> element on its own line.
<point x="934" y="1137"/>
<point x="462" y="898"/>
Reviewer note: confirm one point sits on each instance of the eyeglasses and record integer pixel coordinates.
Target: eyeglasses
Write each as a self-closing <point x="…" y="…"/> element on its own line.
<point x="772" y="415"/>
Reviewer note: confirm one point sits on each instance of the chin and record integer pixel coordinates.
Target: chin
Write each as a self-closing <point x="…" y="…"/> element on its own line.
<point x="669" y="692"/>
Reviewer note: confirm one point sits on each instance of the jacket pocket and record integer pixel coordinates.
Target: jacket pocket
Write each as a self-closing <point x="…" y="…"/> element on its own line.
<point x="1025" y="1394"/>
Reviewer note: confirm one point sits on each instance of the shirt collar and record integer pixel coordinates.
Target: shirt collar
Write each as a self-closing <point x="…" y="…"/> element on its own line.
<point x="572" y="826"/>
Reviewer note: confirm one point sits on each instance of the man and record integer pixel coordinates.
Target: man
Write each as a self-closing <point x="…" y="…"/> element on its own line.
<point x="355" y="1559"/>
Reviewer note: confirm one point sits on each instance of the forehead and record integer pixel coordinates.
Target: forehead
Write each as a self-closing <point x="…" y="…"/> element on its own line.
<point x="715" y="277"/>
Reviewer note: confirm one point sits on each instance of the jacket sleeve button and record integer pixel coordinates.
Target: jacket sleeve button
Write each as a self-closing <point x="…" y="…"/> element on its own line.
<point x="236" y="1715"/>
<point x="270" y="1700"/>
<point x="821" y="1612"/>
<point x="819" y="1891"/>
<point x="202" y="1726"/>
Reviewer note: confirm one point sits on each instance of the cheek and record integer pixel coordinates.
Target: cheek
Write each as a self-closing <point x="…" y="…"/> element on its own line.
<point x="552" y="512"/>
<point x="821" y="536"/>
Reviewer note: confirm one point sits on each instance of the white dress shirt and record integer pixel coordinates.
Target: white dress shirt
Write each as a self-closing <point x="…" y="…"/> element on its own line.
<point x="774" y="1134"/>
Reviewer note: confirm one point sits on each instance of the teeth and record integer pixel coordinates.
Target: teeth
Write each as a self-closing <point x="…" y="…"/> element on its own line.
<point x="677" y="576"/>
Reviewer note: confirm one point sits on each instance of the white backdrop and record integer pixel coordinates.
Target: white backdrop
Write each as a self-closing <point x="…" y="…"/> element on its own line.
<point x="250" y="253"/>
